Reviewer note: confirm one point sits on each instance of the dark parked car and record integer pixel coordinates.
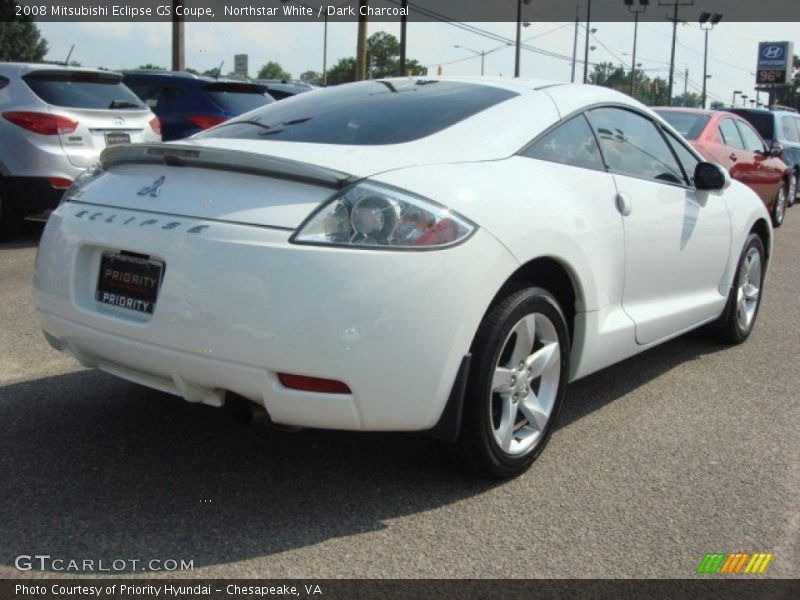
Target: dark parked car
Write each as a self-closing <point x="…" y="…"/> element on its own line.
<point x="282" y="88"/>
<point x="782" y="125"/>
<point x="186" y="103"/>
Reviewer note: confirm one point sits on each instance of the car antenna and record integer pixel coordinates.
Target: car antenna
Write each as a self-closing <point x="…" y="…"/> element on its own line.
<point x="219" y="69"/>
<point x="69" y="54"/>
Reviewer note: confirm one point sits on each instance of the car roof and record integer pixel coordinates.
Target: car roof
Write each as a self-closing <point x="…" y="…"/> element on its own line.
<point x="686" y="109"/>
<point x="20" y="69"/>
<point x="183" y="76"/>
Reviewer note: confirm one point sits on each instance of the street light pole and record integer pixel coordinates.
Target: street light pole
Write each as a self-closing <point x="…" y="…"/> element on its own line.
<point x="707" y="23"/>
<point x="735" y="93"/>
<point x="575" y="41"/>
<point x="586" y="49"/>
<point x="636" y="12"/>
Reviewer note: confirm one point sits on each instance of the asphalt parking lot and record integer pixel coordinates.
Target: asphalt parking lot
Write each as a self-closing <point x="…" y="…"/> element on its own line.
<point x="689" y="448"/>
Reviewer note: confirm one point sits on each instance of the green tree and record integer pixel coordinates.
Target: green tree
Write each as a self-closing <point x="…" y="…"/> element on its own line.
<point x="273" y="70"/>
<point x="790" y="95"/>
<point x="20" y="39"/>
<point x="311" y="77"/>
<point x="383" y="58"/>
<point x="343" y="71"/>
<point x="151" y="67"/>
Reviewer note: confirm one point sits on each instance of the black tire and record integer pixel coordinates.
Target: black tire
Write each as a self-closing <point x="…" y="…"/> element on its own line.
<point x="728" y="328"/>
<point x="779" y="206"/>
<point x="477" y="443"/>
<point x="10" y="220"/>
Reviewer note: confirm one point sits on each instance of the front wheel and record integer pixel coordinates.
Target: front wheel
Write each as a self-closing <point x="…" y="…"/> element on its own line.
<point x="744" y="299"/>
<point x="779" y="207"/>
<point x="516" y="383"/>
<point x="794" y="185"/>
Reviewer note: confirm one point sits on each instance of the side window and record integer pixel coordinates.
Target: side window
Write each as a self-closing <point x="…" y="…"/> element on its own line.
<point x="3" y="82"/>
<point x="752" y="141"/>
<point x="730" y="134"/>
<point x="685" y="157"/>
<point x="572" y="143"/>
<point x="633" y="145"/>
<point x="147" y="92"/>
<point x="790" y="131"/>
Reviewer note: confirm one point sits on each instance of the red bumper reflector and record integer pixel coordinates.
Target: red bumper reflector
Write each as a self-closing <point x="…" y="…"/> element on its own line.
<point x="59" y="182"/>
<point x="313" y="384"/>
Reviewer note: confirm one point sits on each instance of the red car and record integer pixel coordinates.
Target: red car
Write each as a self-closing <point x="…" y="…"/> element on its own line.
<point x="729" y="140"/>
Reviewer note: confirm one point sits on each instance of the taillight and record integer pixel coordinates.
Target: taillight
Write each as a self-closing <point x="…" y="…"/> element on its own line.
<point x="205" y="121"/>
<point x="42" y="123"/>
<point x="313" y="384"/>
<point x="59" y="182"/>
<point x="155" y="125"/>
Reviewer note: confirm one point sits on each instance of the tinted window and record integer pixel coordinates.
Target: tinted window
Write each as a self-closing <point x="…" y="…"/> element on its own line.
<point x="572" y="143"/>
<point x="687" y="159"/>
<point x="147" y="92"/>
<point x="790" y="131"/>
<point x="367" y="113"/>
<point x="82" y="90"/>
<point x="237" y="98"/>
<point x="730" y="134"/>
<point x="689" y="125"/>
<point x="632" y="145"/>
<point x="752" y="141"/>
<point x="3" y="82"/>
<point x="764" y="122"/>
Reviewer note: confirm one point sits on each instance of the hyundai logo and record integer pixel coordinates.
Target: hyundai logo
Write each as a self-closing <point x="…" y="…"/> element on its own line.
<point x="119" y="121"/>
<point x="152" y="190"/>
<point x="772" y="52"/>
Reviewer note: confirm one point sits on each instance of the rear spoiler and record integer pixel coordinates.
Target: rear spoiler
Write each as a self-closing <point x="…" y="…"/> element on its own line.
<point x="199" y="157"/>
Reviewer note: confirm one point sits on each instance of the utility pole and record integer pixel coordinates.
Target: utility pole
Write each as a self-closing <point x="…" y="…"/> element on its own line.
<point x="707" y="23"/>
<point x="575" y="41"/>
<point x="404" y="6"/>
<point x="361" y="44"/>
<point x="518" y="45"/>
<point x="643" y="4"/>
<point x="675" y="4"/>
<point x="178" y="46"/>
<point x="686" y="82"/>
<point x="586" y="49"/>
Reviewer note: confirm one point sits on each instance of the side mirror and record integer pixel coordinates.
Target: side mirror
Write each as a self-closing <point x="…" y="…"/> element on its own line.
<point x="776" y="150"/>
<point x="711" y="177"/>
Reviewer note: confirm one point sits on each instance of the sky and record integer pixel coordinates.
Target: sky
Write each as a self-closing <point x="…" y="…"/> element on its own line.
<point x="298" y="47"/>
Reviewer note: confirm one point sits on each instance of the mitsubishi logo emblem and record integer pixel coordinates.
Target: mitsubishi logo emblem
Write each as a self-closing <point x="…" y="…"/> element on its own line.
<point x="152" y="190"/>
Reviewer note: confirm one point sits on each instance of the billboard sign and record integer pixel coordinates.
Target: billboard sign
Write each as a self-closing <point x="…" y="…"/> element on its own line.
<point x="240" y="65"/>
<point x="774" y="63"/>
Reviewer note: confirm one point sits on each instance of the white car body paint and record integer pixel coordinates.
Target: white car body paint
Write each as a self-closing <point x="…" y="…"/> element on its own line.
<point x="239" y="303"/>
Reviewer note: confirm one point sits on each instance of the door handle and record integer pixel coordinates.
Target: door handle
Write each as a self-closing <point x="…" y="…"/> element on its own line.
<point x="624" y="205"/>
<point x="733" y="156"/>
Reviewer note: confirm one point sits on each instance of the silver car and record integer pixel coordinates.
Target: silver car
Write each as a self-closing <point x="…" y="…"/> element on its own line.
<point x="55" y="122"/>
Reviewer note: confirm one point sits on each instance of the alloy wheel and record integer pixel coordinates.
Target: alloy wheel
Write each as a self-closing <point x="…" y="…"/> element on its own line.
<point x="747" y="295"/>
<point x="525" y="384"/>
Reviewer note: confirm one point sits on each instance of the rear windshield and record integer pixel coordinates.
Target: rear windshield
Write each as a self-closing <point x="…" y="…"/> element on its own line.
<point x="689" y="125"/>
<point x="367" y="113"/>
<point x="762" y="121"/>
<point x="83" y="90"/>
<point x="235" y="98"/>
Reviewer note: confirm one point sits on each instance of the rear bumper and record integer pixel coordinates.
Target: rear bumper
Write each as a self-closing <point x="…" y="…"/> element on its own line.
<point x="33" y="194"/>
<point x="239" y="304"/>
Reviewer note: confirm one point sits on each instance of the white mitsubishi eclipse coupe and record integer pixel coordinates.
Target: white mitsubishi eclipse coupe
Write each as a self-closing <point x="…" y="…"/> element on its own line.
<point x="438" y="255"/>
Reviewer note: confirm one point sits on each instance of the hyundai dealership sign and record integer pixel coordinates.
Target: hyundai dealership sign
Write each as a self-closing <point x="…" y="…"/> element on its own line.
<point x="774" y="63"/>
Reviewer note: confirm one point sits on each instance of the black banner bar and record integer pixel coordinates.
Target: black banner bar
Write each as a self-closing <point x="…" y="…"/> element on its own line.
<point x="340" y="589"/>
<point x="391" y="10"/>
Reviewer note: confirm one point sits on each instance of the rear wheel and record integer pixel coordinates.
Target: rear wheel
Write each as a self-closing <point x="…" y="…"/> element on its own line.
<point x="794" y="188"/>
<point x="744" y="300"/>
<point x="779" y="207"/>
<point x="516" y="383"/>
<point x="9" y="218"/>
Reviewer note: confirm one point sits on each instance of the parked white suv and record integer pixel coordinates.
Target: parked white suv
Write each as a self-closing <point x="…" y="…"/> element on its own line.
<point x="55" y="122"/>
